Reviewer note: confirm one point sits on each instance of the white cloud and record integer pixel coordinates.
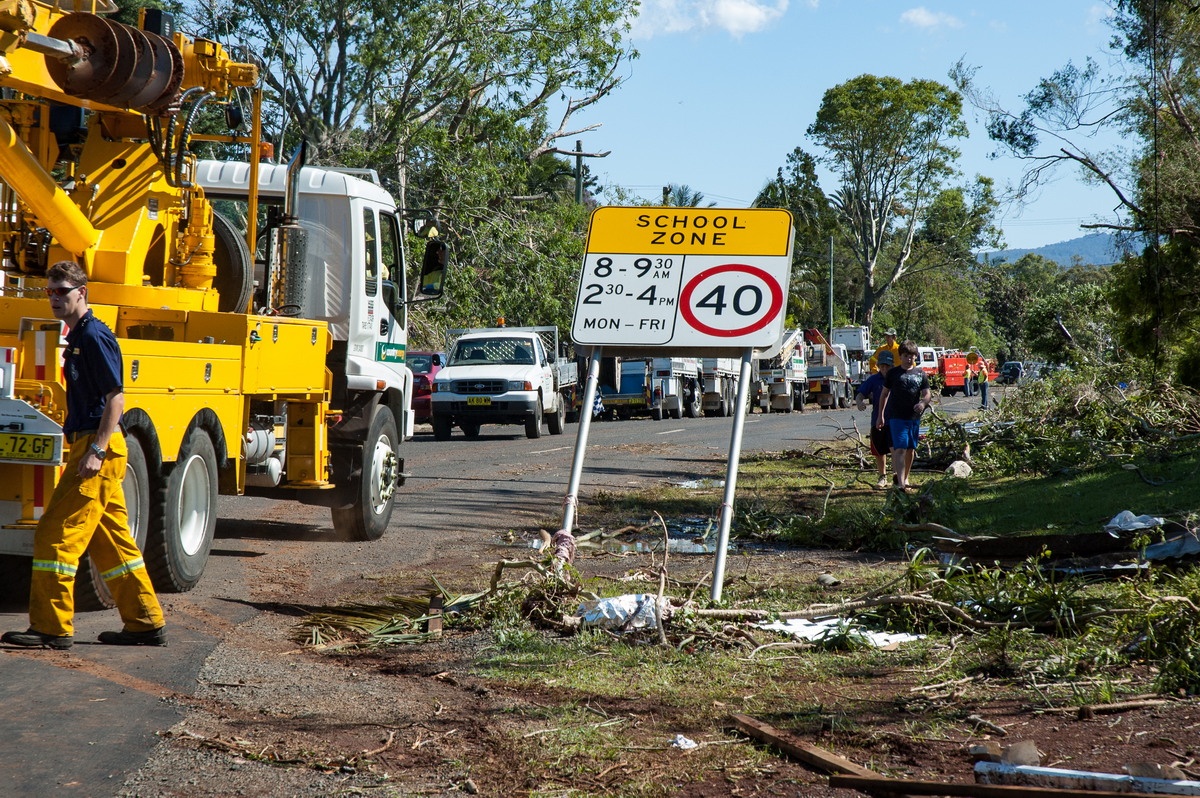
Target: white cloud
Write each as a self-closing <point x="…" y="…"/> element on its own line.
<point x="735" y="17"/>
<point x="922" y="17"/>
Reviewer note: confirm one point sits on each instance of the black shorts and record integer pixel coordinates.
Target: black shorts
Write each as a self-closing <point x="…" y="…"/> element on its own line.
<point x="881" y="440"/>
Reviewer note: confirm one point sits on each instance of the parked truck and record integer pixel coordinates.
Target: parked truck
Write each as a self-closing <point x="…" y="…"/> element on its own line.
<point x="655" y="386"/>
<point x="781" y="382"/>
<point x="857" y="340"/>
<point x="828" y="374"/>
<point x="720" y="385"/>
<point x="503" y="375"/>
<point x="275" y="370"/>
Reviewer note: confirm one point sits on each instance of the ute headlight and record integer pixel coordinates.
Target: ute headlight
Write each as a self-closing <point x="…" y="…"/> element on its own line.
<point x="520" y="385"/>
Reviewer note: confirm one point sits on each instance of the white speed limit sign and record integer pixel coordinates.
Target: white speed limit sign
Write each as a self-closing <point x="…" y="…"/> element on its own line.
<point x="685" y="278"/>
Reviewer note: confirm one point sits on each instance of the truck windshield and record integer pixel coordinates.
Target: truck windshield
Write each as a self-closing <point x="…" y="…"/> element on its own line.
<point x="492" y="350"/>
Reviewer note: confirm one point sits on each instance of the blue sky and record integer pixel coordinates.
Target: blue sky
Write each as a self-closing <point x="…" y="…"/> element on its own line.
<point x="724" y="89"/>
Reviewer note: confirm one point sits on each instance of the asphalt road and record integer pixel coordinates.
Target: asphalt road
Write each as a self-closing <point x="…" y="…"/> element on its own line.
<point x="79" y="722"/>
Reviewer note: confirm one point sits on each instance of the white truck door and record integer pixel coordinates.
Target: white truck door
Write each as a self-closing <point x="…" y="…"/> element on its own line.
<point x="546" y="369"/>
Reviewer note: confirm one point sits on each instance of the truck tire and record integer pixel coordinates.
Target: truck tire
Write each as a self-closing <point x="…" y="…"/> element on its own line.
<point x="470" y="428"/>
<point x="675" y="411"/>
<point x="556" y="422"/>
<point x="656" y="413"/>
<point x="533" y="424"/>
<point x="91" y="592"/>
<point x="799" y="399"/>
<point x="234" y="279"/>
<point x="183" y="516"/>
<point x="372" y="489"/>
<point x="441" y="427"/>
<point x="693" y="400"/>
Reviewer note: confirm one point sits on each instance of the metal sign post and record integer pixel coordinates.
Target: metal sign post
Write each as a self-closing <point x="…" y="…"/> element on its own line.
<point x="731" y="470"/>
<point x="581" y="439"/>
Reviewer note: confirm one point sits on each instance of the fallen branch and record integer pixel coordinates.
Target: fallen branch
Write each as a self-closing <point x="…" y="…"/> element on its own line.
<point x="1087" y="710"/>
<point x="987" y="724"/>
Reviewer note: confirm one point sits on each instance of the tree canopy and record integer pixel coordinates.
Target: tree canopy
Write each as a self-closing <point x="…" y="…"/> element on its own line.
<point x="889" y="142"/>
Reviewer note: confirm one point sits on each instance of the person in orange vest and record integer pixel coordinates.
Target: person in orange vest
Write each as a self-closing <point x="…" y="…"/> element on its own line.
<point x="889" y="345"/>
<point x="982" y="379"/>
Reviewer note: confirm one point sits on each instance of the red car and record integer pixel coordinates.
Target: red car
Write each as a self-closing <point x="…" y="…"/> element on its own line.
<point x="424" y="365"/>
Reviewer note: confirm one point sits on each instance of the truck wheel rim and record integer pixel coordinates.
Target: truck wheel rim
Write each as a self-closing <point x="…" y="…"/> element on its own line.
<point x="194" y="493"/>
<point x="384" y="467"/>
<point x="134" y="489"/>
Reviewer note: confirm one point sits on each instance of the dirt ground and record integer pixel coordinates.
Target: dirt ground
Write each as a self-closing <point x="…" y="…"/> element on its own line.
<point x="272" y="719"/>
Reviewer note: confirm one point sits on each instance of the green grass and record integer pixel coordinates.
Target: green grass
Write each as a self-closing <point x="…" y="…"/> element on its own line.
<point x="1080" y="502"/>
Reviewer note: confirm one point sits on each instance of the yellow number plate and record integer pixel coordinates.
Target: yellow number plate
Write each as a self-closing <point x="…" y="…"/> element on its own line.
<point x="16" y="446"/>
<point x="479" y="400"/>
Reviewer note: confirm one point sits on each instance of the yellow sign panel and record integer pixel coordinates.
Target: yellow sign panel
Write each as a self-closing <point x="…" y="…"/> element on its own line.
<point x="690" y="231"/>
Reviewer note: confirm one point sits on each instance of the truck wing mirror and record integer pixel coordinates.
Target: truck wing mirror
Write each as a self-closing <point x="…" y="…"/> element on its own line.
<point x="433" y="269"/>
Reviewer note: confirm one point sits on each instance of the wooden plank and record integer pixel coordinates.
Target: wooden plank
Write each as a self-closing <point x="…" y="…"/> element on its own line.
<point x="433" y="623"/>
<point x="878" y="784"/>
<point x="794" y="747"/>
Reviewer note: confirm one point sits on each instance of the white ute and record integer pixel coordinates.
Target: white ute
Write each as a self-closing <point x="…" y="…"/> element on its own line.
<point x="503" y="375"/>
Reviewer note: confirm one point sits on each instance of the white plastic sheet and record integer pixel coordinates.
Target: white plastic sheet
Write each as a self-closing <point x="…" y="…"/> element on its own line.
<point x="1126" y="521"/>
<point x="620" y="613"/>
<point x="817" y="630"/>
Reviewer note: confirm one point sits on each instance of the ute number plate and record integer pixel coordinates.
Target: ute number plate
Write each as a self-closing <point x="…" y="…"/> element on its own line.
<point x="16" y="446"/>
<point x="479" y="400"/>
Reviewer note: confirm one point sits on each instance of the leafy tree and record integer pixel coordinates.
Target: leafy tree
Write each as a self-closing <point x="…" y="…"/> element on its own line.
<point x="1071" y="324"/>
<point x="796" y="189"/>
<point x="684" y="196"/>
<point x="889" y="143"/>
<point x="1006" y="292"/>
<point x="1153" y="100"/>
<point x="368" y="81"/>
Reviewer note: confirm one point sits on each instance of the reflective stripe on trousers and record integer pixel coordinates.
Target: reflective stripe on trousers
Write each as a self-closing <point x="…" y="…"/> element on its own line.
<point x="89" y="515"/>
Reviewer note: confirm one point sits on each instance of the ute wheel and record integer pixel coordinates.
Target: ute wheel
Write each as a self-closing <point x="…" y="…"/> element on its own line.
<point x="470" y="428"/>
<point x="91" y="592"/>
<point x="371" y="489"/>
<point x="533" y="424"/>
<point x="441" y="427"/>
<point x="557" y="421"/>
<point x="183" y="516"/>
<point x="234" y="279"/>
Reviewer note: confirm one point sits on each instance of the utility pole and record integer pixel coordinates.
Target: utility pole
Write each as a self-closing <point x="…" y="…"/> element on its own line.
<point x="830" y="288"/>
<point x="579" y="156"/>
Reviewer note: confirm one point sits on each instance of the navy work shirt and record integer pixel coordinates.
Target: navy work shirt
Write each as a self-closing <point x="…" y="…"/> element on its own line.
<point x="94" y="369"/>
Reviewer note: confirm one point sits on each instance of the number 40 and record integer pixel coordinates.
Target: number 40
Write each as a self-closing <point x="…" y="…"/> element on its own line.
<point x="747" y="300"/>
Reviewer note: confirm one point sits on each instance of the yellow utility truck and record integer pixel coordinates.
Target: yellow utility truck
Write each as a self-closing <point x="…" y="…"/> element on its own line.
<point x="261" y="309"/>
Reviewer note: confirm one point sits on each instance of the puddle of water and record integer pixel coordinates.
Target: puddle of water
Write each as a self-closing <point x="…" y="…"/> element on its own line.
<point x="684" y="536"/>
<point x="696" y="484"/>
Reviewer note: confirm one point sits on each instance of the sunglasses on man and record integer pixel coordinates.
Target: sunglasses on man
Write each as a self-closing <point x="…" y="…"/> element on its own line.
<point x="61" y="291"/>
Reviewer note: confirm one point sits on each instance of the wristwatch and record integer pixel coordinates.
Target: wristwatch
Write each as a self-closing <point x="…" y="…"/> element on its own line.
<point x="100" y="453"/>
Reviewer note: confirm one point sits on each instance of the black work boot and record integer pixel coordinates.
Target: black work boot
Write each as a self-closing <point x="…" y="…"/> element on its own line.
<point x="32" y="639"/>
<point x="150" y="637"/>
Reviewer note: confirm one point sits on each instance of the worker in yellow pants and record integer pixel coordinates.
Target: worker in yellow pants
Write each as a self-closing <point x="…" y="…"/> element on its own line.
<point x="89" y="515"/>
<point x="87" y="510"/>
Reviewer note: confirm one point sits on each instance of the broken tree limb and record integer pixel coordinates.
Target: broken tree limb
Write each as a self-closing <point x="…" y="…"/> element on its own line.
<point x="797" y="749"/>
<point x="873" y="785"/>
<point x="987" y="724"/>
<point x="1106" y="709"/>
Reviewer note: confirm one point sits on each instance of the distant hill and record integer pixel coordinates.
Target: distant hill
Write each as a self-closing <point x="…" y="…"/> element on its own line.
<point x="1096" y="249"/>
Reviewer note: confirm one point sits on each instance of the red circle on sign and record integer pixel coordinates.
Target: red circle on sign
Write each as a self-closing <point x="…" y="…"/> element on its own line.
<point x="685" y="300"/>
